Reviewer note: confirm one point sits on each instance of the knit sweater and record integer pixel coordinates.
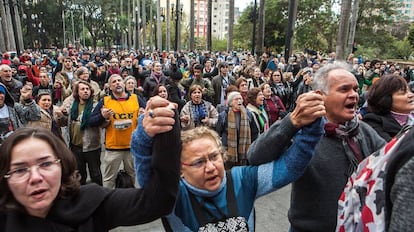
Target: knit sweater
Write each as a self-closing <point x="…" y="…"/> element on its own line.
<point x="314" y="196"/>
<point x="402" y="198"/>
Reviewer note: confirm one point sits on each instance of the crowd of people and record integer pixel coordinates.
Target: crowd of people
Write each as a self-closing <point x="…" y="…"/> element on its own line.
<point x="235" y="127"/>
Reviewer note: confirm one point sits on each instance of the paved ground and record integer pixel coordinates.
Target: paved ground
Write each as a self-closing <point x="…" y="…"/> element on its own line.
<point x="271" y="213"/>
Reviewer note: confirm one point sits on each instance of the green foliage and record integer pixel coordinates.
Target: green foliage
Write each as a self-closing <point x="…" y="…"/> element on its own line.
<point x="373" y="19"/>
<point x="219" y="44"/>
<point x="367" y="53"/>
<point x="402" y="49"/>
<point x="411" y="35"/>
<point x="315" y="28"/>
<point x="243" y="30"/>
<point x="317" y="25"/>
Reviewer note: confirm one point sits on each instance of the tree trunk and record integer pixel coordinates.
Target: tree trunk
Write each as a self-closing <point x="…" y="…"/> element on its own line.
<point x="192" y="15"/>
<point x="7" y="26"/>
<point x="260" y="30"/>
<point x="2" y="41"/>
<point x="354" y="19"/>
<point x="18" y="28"/>
<point x="343" y="29"/>
<point x="293" y="10"/>
<point x="168" y="29"/>
<point x="209" y="24"/>
<point x="159" y="33"/>
<point x="230" y="27"/>
<point x="144" y="26"/>
<point x="151" y="21"/>
<point x="253" y="45"/>
<point x="138" y="29"/>
<point x="129" y="24"/>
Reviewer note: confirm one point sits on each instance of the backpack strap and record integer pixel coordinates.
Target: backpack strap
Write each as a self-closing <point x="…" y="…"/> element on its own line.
<point x="395" y="162"/>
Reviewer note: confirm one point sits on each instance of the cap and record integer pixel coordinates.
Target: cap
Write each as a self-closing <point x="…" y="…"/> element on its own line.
<point x="2" y="89"/>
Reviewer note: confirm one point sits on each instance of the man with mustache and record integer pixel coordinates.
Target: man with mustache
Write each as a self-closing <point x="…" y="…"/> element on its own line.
<point x="118" y="114"/>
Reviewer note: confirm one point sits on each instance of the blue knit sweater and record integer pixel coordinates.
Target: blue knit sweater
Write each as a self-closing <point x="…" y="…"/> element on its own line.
<point x="250" y="182"/>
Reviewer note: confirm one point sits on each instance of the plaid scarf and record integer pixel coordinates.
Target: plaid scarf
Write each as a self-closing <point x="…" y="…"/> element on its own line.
<point x="238" y="139"/>
<point x="355" y="146"/>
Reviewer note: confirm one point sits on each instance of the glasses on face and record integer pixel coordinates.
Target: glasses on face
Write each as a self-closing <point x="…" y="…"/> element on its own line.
<point x="22" y="174"/>
<point x="201" y="163"/>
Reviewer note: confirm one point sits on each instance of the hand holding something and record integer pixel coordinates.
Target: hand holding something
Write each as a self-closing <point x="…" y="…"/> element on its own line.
<point x="159" y="116"/>
<point x="309" y="107"/>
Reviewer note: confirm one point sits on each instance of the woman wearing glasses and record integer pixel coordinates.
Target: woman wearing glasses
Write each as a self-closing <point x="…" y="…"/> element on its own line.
<point x="208" y="195"/>
<point x="41" y="191"/>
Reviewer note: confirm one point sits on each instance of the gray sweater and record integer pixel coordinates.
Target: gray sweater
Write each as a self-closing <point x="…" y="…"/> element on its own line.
<point x="402" y="197"/>
<point x="314" y="196"/>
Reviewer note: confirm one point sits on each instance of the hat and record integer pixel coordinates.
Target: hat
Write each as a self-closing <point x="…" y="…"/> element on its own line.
<point x="231" y="96"/>
<point x="2" y="89"/>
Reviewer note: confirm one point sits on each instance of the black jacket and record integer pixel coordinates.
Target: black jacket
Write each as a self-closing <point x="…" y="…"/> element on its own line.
<point x="385" y="125"/>
<point x="96" y="208"/>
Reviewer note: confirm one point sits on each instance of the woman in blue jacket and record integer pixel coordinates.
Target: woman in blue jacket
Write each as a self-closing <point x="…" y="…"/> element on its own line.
<point x="207" y="195"/>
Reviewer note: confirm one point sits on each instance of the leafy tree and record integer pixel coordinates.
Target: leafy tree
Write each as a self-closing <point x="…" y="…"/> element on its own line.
<point x="373" y="18"/>
<point x="411" y="35"/>
<point x="317" y="25"/>
<point x="243" y="29"/>
<point x="402" y="49"/>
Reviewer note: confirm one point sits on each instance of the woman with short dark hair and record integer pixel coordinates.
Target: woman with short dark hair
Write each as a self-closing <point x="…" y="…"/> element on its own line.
<point x="390" y="106"/>
<point x="197" y="111"/>
<point x="260" y="118"/>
